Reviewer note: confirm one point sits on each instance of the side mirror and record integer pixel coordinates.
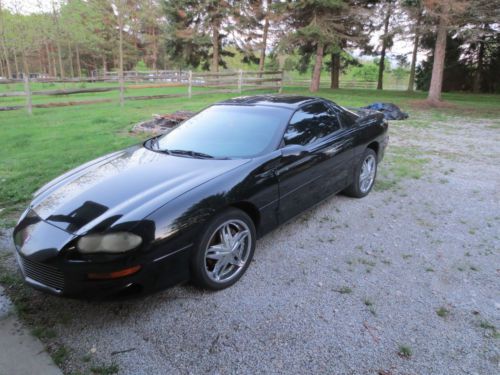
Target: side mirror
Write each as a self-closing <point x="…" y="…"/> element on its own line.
<point x="292" y="150"/>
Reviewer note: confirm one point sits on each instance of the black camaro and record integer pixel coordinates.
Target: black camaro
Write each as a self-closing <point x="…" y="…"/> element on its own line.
<point x="190" y="204"/>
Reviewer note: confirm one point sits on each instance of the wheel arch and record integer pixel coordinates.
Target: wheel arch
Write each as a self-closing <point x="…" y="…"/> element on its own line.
<point x="374" y="146"/>
<point x="250" y="209"/>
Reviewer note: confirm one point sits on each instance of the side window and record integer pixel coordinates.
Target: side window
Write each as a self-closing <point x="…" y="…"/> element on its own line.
<point x="308" y="124"/>
<point x="347" y="118"/>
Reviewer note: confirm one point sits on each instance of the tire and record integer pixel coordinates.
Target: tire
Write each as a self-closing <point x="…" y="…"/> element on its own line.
<point x="361" y="187"/>
<point x="218" y="261"/>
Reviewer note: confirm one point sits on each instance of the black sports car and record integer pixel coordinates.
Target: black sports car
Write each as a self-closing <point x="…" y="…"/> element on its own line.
<point x="190" y="204"/>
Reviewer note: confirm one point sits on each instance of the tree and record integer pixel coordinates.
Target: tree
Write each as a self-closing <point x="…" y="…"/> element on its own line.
<point x="254" y="21"/>
<point x="195" y="27"/>
<point x="463" y="58"/>
<point x="3" y="43"/>
<point x="480" y="32"/>
<point x="386" y="41"/>
<point x="356" y="20"/>
<point x="316" y="28"/>
<point x="415" y="11"/>
<point x="150" y="30"/>
<point x="448" y="13"/>
<point x="79" y="21"/>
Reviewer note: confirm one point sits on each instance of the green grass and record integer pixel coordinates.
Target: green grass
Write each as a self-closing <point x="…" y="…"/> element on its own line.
<point x="60" y="355"/>
<point x="105" y="370"/>
<point x="443" y="312"/>
<point x="400" y="163"/>
<point x="43" y="332"/>
<point x="35" y="149"/>
<point x="490" y="328"/>
<point x="405" y="351"/>
<point x="487" y="325"/>
<point x="344" y="290"/>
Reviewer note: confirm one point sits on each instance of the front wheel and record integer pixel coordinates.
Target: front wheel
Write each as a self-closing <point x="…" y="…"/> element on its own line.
<point x="364" y="175"/>
<point x="224" y="251"/>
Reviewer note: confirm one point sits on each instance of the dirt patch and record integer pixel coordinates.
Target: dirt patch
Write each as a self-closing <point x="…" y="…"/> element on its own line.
<point x="425" y="104"/>
<point x="162" y="123"/>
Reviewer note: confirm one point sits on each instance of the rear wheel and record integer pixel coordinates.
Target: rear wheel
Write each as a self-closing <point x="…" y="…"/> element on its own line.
<point x="224" y="251"/>
<point x="364" y="175"/>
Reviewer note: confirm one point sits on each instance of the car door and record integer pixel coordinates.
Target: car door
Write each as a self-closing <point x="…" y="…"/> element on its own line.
<point x="315" y="156"/>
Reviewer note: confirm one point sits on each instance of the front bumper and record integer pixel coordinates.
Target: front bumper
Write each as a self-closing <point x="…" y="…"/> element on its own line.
<point x="47" y="265"/>
<point x="67" y="278"/>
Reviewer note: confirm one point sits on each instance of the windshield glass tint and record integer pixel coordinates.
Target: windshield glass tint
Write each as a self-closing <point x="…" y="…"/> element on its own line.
<point x="229" y="131"/>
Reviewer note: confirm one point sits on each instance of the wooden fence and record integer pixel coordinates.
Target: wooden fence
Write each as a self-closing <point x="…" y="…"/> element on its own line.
<point x="348" y="84"/>
<point x="224" y="82"/>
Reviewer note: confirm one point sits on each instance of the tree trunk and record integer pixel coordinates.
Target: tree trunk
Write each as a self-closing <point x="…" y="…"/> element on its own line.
<point x="26" y="70"/>
<point x="438" y="65"/>
<point x="16" y="64"/>
<point x="335" y="70"/>
<point x="155" y="49"/>
<point x="215" y="46"/>
<point x="78" y="63"/>
<point x="4" y="47"/>
<point x="316" y="77"/>
<point x="120" y="50"/>
<point x="478" y="75"/>
<point x="40" y="60"/>
<point x="58" y="42"/>
<point x="263" y="47"/>
<point x="416" y="40"/>
<point x="6" y="58"/>
<point x="49" y="65"/>
<point x="70" y="59"/>
<point x="7" y="63"/>
<point x="59" y="56"/>
<point x="104" y="65"/>
<point x="381" y="64"/>
<point x="54" y="65"/>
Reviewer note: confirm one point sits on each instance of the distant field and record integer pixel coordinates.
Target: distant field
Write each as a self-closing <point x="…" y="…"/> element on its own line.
<point x="35" y="149"/>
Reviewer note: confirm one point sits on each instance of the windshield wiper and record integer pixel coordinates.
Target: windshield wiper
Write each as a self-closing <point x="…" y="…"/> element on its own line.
<point x="194" y="154"/>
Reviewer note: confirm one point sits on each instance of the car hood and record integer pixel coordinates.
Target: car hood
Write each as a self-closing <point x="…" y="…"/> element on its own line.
<point x="122" y="187"/>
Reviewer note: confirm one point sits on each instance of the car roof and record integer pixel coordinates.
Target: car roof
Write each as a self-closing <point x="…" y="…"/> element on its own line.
<point x="286" y="101"/>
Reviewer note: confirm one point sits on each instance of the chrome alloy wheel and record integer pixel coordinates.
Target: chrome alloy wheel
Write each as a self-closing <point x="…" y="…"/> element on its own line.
<point x="228" y="250"/>
<point x="367" y="175"/>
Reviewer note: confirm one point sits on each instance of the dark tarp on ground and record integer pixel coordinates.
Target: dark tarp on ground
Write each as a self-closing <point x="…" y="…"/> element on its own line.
<point x="390" y="111"/>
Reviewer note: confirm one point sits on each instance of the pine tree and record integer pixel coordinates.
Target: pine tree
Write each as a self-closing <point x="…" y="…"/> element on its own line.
<point x="316" y="27"/>
<point x="195" y="30"/>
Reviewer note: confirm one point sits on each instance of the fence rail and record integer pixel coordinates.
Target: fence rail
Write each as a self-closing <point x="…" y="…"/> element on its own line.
<point x="223" y="82"/>
<point x="348" y="84"/>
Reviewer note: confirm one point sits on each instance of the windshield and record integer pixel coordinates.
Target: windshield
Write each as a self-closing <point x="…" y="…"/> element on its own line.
<point x="225" y="131"/>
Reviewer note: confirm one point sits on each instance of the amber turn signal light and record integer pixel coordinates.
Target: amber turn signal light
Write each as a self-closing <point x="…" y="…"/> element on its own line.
<point x="115" y="274"/>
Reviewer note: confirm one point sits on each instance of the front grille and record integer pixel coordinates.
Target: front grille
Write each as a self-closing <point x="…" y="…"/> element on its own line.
<point x="42" y="273"/>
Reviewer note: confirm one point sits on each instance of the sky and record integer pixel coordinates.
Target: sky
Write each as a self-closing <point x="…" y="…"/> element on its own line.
<point x="28" y="6"/>
<point x="401" y="46"/>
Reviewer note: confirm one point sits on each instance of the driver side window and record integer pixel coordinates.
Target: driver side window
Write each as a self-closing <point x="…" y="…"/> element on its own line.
<point x="311" y="123"/>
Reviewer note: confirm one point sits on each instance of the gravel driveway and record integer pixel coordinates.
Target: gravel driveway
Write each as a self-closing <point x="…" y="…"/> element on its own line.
<point x="405" y="281"/>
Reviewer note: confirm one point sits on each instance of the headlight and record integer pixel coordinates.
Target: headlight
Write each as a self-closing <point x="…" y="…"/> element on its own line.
<point x="118" y="242"/>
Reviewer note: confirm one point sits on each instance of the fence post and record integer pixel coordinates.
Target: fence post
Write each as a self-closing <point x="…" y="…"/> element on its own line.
<point x="28" y="94"/>
<point x="122" y="97"/>
<point x="190" y="83"/>
<point x="280" y="90"/>
<point x="240" y="80"/>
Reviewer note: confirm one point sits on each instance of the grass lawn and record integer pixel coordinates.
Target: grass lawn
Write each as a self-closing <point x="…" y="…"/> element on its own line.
<point x="34" y="149"/>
